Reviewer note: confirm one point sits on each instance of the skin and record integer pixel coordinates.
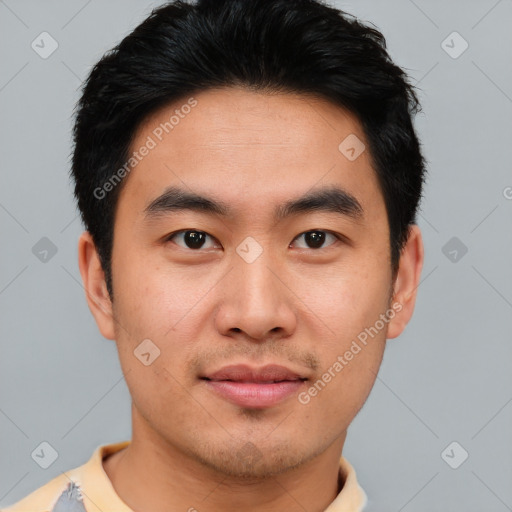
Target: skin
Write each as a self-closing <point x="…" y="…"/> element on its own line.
<point x="205" y="308"/>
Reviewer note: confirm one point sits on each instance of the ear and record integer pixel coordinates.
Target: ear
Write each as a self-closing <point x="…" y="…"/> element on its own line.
<point x="95" y="286"/>
<point x="406" y="282"/>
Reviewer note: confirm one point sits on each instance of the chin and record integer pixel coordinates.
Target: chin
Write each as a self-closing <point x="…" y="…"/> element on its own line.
<point x="251" y="461"/>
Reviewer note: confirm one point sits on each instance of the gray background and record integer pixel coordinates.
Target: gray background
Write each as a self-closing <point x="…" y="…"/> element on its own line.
<point x="447" y="378"/>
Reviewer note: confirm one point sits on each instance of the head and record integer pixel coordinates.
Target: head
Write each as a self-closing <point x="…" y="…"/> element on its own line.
<point x="248" y="175"/>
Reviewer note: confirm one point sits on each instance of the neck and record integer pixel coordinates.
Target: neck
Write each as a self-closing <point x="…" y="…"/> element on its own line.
<point x="152" y="474"/>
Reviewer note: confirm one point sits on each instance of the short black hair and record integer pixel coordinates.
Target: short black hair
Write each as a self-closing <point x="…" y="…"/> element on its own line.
<point x="296" y="46"/>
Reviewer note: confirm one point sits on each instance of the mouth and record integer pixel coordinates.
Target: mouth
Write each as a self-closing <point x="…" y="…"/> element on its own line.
<point x="252" y="381"/>
<point x="269" y="373"/>
<point x="256" y="388"/>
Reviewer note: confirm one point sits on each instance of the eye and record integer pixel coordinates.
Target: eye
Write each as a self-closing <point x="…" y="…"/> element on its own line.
<point x="190" y="239"/>
<point x="193" y="239"/>
<point x="315" y="239"/>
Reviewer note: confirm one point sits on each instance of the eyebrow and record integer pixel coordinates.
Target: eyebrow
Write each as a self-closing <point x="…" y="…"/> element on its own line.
<point x="332" y="199"/>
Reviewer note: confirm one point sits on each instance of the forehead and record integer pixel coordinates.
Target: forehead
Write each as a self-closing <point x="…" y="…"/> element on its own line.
<point x="250" y="149"/>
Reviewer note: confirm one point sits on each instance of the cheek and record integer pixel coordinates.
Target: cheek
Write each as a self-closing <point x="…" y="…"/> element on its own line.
<point x="159" y="392"/>
<point x="351" y="352"/>
<point x="163" y="305"/>
<point x="346" y="299"/>
<point x="154" y="299"/>
<point x="347" y="304"/>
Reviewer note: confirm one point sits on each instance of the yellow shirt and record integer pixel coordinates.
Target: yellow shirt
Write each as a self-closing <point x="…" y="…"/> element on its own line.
<point x="87" y="488"/>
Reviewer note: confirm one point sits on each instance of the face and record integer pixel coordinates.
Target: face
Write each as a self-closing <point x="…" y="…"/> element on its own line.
<point x="286" y="263"/>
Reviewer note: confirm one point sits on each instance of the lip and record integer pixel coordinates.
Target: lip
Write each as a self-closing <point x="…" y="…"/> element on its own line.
<point x="259" y="388"/>
<point x="246" y="373"/>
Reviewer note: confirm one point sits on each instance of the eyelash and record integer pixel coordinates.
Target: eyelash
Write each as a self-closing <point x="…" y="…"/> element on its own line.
<point x="338" y="237"/>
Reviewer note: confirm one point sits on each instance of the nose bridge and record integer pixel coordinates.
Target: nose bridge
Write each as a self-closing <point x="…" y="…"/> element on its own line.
<point x="256" y="283"/>
<point x="256" y="301"/>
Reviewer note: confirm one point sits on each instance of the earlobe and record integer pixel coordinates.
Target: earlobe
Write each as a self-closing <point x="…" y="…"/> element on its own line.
<point x="406" y="282"/>
<point x="93" y="279"/>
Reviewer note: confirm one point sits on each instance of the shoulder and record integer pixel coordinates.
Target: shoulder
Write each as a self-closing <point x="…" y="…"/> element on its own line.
<point x="76" y="490"/>
<point x="45" y="498"/>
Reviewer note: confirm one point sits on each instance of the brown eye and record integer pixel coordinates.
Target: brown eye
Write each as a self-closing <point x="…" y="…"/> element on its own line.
<point x="191" y="239"/>
<point x="316" y="239"/>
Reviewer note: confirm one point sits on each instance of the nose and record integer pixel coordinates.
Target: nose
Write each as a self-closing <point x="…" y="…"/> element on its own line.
<point x="256" y="301"/>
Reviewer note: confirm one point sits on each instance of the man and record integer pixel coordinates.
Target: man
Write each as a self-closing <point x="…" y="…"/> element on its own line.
<point x="248" y="175"/>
